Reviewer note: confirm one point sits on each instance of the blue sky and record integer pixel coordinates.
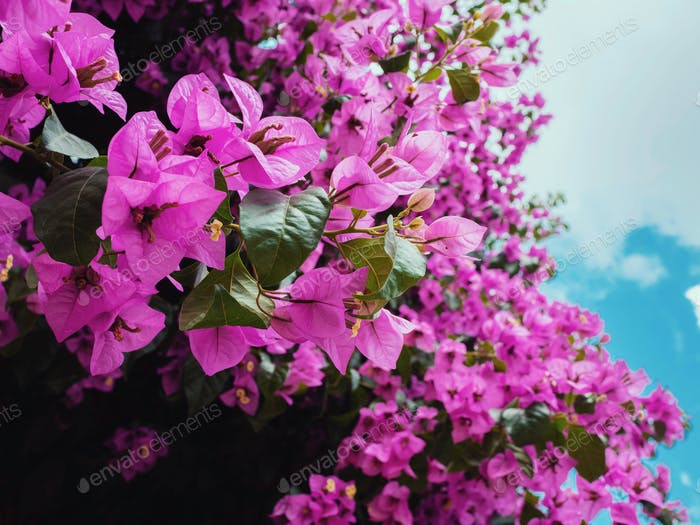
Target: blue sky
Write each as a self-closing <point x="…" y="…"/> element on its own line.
<point x="624" y="148"/>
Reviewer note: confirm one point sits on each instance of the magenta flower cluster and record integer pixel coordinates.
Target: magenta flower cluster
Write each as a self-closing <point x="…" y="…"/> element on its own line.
<point x="351" y="184"/>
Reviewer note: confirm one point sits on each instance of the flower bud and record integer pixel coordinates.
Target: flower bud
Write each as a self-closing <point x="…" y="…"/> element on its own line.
<point x="416" y="224"/>
<point x="421" y="200"/>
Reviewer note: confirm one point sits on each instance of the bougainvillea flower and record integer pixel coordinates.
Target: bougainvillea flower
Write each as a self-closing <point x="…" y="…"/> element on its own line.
<point x="138" y="450"/>
<point x="319" y="311"/>
<point x="136" y="149"/>
<point x="12" y="213"/>
<point x="205" y="126"/>
<point x="454" y="236"/>
<point x="381" y="339"/>
<point x="128" y="328"/>
<point x="219" y="348"/>
<point x="392" y="505"/>
<point x="244" y="394"/>
<point x="75" y="61"/>
<point x="18" y="115"/>
<point x="135" y="8"/>
<point x="73" y="297"/>
<point x="35" y="16"/>
<point x="425" y="13"/>
<point x="365" y="40"/>
<point x="358" y="186"/>
<point x="499" y="74"/>
<point x="274" y="151"/>
<point x="157" y="224"/>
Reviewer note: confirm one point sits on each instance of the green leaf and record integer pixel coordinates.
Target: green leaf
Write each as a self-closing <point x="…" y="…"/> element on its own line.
<point x="450" y="34"/>
<point x="223" y="212"/>
<point x="396" y="63"/>
<point x="589" y="452"/>
<point x="530" y="510"/>
<point x="270" y="377"/>
<point x="368" y="253"/>
<point x="225" y="297"/>
<point x="190" y="275"/>
<point x="523" y="458"/>
<point x="465" y="87"/>
<point x="395" y="264"/>
<point x="108" y="258"/>
<point x="433" y="75"/>
<point x="201" y="389"/>
<point x="100" y="162"/>
<point x="55" y="138"/>
<point x="527" y="426"/>
<point x="584" y="404"/>
<point x="335" y="103"/>
<point x="486" y="33"/>
<point x="69" y="213"/>
<point x="660" y="428"/>
<point x="280" y="231"/>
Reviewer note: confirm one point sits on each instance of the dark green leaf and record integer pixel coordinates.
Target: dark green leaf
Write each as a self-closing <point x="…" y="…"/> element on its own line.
<point x="99" y="162"/>
<point x="281" y="231"/>
<point x="530" y="510"/>
<point x="450" y="34"/>
<point x="223" y="212"/>
<point x="270" y="377"/>
<point x="589" y="452"/>
<point x="465" y="87"/>
<point x="108" y="258"/>
<point x="56" y="138"/>
<point x="394" y="264"/>
<point x="190" y="275"/>
<point x="527" y="426"/>
<point x="396" y="63"/>
<point x="225" y="297"/>
<point x="70" y="212"/>
<point x="334" y="103"/>
<point x="201" y="389"/>
<point x="487" y="32"/>
<point x="584" y="404"/>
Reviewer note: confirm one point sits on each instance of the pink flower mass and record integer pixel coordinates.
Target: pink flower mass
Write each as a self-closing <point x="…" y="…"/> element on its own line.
<point x="315" y="217"/>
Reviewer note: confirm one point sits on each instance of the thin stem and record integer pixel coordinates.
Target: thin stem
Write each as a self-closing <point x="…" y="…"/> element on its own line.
<point x="6" y="141"/>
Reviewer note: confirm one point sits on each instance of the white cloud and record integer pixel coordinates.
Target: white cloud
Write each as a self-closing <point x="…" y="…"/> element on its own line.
<point x="645" y="270"/>
<point x="693" y="295"/>
<point x="623" y="144"/>
<point x="685" y="479"/>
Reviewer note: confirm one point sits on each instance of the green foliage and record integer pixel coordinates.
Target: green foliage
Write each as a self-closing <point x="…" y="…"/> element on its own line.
<point x="281" y="231"/>
<point x="227" y="297"/>
<point x="465" y="86"/>
<point x="201" y="389"/>
<point x="67" y="217"/>
<point x="395" y="264"/>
